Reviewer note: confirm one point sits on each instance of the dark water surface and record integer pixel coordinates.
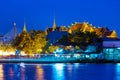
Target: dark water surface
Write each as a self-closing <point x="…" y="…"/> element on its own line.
<point x="59" y="71"/>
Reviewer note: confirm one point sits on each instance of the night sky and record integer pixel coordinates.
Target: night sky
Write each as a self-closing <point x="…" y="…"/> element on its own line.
<point x="39" y="14"/>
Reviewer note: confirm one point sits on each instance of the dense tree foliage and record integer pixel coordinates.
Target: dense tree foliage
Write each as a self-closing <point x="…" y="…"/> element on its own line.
<point x="7" y="48"/>
<point x="30" y="43"/>
<point x="79" y="38"/>
<point x="35" y="41"/>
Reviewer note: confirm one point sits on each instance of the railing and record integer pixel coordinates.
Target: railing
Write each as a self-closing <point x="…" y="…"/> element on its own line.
<point x="43" y="58"/>
<point x="39" y="56"/>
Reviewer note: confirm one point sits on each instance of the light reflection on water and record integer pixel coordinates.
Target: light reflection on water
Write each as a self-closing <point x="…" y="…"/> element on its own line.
<point x="118" y="71"/>
<point x="60" y="72"/>
<point x="39" y="73"/>
<point x="1" y="72"/>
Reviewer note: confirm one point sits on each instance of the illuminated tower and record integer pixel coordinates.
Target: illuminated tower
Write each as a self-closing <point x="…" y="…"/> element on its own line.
<point x="46" y="31"/>
<point x="54" y="25"/>
<point x="14" y="30"/>
<point x="85" y="26"/>
<point x="24" y="29"/>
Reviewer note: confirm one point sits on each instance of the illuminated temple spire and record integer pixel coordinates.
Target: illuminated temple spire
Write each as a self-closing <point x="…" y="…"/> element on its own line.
<point x="54" y="25"/>
<point x="85" y="26"/>
<point x="14" y="30"/>
<point x="24" y="29"/>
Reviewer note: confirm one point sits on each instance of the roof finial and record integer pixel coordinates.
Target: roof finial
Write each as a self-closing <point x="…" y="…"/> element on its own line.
<point x="24" y="29"/>
<point x="54" y="24"/>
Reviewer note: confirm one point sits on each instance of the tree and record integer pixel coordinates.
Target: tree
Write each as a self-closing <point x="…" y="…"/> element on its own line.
<point x="53" y="48"/>
<point x="21" y="40"/>
<point x="39" y="41"/>
<point x="79" y="38"/>
<point x="30" y="43"/>
<point x="45" y="49"/>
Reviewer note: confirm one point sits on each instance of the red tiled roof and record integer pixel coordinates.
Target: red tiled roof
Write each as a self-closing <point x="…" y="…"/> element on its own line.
<point x="108" y="33"/>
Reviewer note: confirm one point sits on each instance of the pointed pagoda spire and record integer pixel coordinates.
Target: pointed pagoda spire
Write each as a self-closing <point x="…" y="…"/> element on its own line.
<point x="85" y="26"/>
<point x="54" y="25"/>
<point x="24" y="29"/>
<point x="14" y="30"/>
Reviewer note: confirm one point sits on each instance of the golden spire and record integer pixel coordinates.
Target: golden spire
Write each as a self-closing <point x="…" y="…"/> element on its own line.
<point x="54" y="25"/>
<point x="85" y="26"/>
<point x="46" y="31"/>
<point x="24" y="29"/>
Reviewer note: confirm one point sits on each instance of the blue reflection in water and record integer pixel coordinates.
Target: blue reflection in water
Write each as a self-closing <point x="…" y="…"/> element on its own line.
<point x="118" y="71"/>
<point x="60" y="72"/>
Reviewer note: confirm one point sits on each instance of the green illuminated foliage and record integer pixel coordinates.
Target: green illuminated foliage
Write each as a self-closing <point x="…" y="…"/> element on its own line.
<point x="30" y="43"/>
<point x="53" y="48"/>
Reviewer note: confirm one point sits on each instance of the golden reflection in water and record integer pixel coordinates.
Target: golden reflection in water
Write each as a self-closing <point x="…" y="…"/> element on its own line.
<point x="1" y="72"/>
<point x="39" y="73"/>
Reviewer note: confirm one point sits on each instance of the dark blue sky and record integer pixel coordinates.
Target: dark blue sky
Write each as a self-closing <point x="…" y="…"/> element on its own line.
<point x="39" y="14"/>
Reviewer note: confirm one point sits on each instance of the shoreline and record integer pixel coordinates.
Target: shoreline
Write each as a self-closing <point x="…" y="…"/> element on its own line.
<point x="35" y="61"/>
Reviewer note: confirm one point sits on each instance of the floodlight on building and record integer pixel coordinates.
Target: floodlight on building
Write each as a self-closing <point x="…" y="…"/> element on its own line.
<point x="87" y="56"/>
<point x="59" y="50"/>
<point x="118" y="48"/>
<point x="76" y="55"/>
<point x="68" y="56"/>
<point x="1" y="53"/>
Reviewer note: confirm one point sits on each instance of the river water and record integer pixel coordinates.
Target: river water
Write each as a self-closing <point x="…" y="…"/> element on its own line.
<point x="60" y="71"/>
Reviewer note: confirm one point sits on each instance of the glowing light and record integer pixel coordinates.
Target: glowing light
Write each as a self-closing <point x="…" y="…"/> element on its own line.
<point x="56" y="55"/>
<point x="14" y="24"/>
<point x="22" y="65"/>
<point x="1" y="53"/>
<point x="6" y="53"/>
<point x="117" y="71"/>
<point x="76" y="65"/>
<point x="39" y="72"/>
<point x="87" y="56"/>
<point x="118" y="64"/>
<point x="11" y="53"/>
<point x="1" y="72"/>
<point x="59" y="51"/>
<point x="76" y="55"/>
<point x="59" y="66"/>
<point x="23" y="53"/>
<point x="68" y="56"/>
<point x="58" y="70"/>
<point x="118" y="48"/>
